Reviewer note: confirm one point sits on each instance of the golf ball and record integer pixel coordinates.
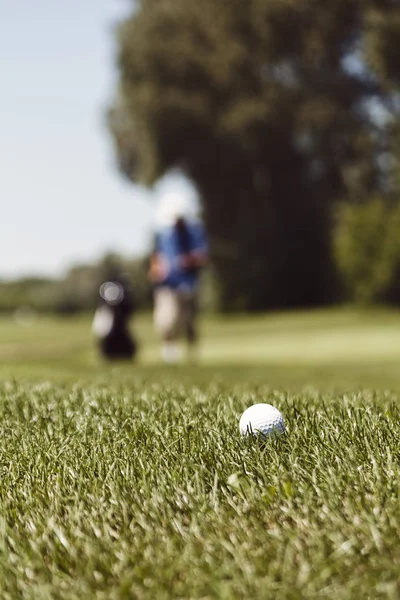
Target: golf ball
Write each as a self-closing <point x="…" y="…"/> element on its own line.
<point x="262" y="419"/>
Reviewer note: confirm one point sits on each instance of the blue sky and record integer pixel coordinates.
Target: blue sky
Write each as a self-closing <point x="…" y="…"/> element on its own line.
<point x="62" y="198"/>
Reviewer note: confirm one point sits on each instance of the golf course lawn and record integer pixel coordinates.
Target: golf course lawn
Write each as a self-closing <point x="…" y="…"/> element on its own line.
<point x="131" y="480"/>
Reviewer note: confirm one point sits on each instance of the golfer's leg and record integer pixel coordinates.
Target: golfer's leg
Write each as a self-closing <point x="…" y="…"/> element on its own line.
<point x="191" y="330"/>
<point x="165" y="319"/>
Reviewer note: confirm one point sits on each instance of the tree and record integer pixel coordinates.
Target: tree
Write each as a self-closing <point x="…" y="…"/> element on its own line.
<point x="266" y="105"/>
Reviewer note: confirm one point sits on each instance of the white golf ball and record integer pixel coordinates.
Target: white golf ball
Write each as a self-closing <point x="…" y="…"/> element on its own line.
<point x="262" y="419"/>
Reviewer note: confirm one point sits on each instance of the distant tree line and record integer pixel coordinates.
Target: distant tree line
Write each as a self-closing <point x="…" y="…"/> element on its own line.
<point x="286" y="115"/>
<point x="366" y="254"/>
<point x="78" y="290"/>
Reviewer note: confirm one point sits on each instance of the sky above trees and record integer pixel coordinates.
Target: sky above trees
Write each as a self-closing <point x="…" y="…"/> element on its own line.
<point x="62" y="198"/>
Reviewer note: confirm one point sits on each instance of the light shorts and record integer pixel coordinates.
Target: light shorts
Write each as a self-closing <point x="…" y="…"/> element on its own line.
<point x="175" y="312"/>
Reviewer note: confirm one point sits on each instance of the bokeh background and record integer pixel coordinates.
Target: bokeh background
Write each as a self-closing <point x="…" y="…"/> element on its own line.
<point x="279" y="118"/>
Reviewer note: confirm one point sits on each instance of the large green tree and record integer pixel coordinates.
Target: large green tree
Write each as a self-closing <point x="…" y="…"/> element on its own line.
<point x="270" y="107"/>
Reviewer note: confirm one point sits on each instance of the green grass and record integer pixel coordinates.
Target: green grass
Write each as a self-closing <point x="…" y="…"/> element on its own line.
<point x="122" y="481"/>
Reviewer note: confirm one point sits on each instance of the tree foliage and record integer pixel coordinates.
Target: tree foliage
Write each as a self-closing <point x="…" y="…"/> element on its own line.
<point x="367" y="249"/>
<point x="270" y="106"/>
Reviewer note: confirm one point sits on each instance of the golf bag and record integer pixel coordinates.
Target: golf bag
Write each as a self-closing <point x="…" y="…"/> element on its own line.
<point x="111" y="321"/>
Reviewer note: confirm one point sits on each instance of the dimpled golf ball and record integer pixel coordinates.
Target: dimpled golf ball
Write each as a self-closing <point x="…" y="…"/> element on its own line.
<point x="262" y="419"/>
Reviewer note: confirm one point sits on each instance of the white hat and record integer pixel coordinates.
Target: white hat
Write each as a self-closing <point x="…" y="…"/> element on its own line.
<point x="171" y="207"/>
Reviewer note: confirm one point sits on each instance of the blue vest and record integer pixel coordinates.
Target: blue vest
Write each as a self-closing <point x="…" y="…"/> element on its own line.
<point x="172" y="245"/>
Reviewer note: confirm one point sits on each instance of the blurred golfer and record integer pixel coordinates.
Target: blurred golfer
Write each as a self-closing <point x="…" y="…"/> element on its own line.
<point x="180" y="253"/>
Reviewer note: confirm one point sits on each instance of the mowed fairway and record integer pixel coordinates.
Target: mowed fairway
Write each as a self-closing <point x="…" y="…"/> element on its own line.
<point x="131" y="481"/>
